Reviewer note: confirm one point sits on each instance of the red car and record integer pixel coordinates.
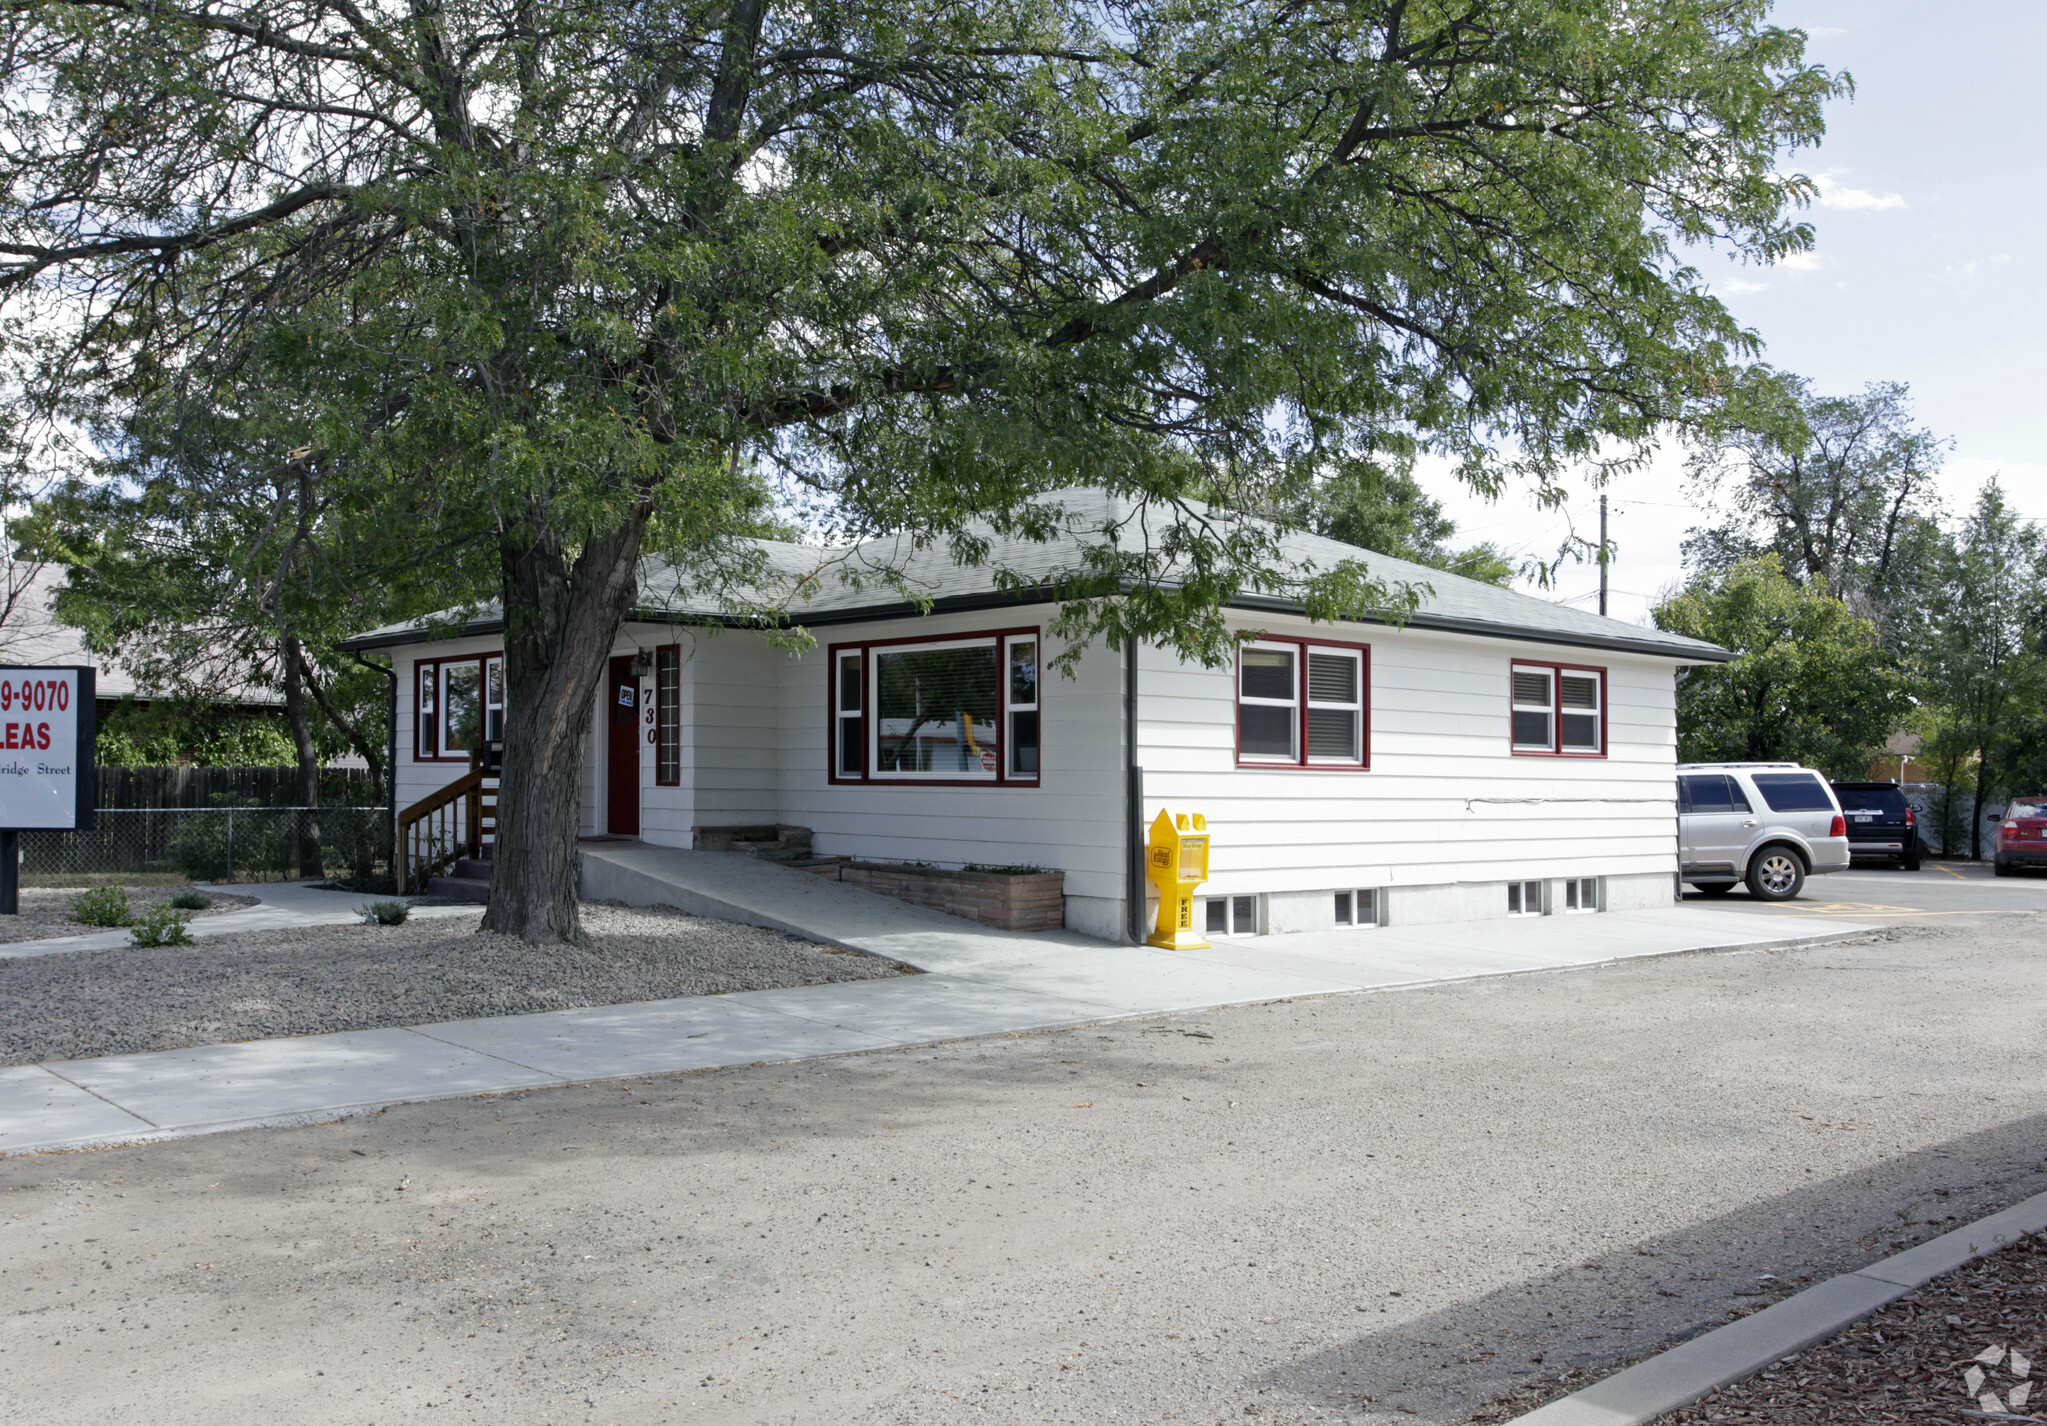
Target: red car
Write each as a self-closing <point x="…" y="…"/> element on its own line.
<point x="2022" y="836"/>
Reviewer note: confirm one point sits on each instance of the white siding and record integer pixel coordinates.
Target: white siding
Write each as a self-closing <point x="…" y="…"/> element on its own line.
<point x="1071" y="821"/>
<point x="1439" y="736"/>
<point x="755" y="740"/>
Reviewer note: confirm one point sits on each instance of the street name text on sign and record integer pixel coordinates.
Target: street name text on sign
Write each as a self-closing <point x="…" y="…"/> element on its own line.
<point x="47" y="747"/>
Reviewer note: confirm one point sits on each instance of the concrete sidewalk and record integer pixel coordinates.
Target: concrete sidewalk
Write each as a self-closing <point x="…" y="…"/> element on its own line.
<point x="977" y="983"/>
<point x="285" y="904"/>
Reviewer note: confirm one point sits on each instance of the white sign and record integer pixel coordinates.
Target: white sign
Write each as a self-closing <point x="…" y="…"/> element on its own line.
<point x="47" y="746"/>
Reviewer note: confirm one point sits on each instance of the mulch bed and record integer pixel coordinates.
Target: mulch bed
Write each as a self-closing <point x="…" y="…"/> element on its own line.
<point x="1958" y="1350"/>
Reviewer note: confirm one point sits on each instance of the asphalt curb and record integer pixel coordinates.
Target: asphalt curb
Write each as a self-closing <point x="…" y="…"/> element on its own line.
<point x="1742" y="1348"/>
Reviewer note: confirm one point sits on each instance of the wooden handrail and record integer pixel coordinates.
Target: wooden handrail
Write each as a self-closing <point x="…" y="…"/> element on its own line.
<point x="433" y="834"/>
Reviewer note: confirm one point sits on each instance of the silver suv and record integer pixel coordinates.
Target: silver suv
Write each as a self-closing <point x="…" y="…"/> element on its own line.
<point x="1768" y="824"/>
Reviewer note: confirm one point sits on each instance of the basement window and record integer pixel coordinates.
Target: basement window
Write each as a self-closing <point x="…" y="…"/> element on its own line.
<point x="1232" y="916"/>
<point x="1524" y="898"/>
<point x="1358" y="908"/>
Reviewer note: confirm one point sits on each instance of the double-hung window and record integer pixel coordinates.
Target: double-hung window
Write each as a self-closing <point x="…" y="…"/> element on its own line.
<point x="946" y="710"/>
<point x="1558" y="709"/>
<point x="459" y="705"/>
<point x="1301" y="704"/>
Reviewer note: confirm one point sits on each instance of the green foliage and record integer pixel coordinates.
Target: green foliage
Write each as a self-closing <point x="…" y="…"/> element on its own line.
<point x="191" y="900"/>
<point x="1386" y="510"/>
<point x="1811" y="684"/>
<point x="101" y="906"/>
<point x="164" y="734"/>
<point x="1839" y="488"/>
<point x="162" y="925"/>
<point x="403" y="291"/>
<point x="1980" y="657"/>
<point x="384" y="913"/>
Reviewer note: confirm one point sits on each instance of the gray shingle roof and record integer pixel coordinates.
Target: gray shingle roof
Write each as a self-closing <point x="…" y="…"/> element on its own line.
<point x="891" y="577"/>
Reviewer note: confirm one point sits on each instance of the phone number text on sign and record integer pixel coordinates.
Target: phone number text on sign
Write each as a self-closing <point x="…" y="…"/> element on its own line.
<point x="35" y="695"/>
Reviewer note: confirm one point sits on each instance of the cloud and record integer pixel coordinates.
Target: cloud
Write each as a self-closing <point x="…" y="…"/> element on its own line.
<point x="1834" y="194"/>
<point x="1736" y="287"/>
<point x="1823" y="32"/>
<point x="1976" y="266"/>
<point x="1802" y="262"/>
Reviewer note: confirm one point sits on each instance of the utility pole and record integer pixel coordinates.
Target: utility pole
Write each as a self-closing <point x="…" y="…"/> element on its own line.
<point x="1602" y="556"/>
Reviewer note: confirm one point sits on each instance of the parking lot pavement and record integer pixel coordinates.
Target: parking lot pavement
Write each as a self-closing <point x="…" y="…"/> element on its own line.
<point x="1386" y="1208"/>
<point x="1938" y="891"/>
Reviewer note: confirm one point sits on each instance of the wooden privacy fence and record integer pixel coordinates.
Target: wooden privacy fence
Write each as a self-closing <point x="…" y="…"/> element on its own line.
<point x="138" y="787"/>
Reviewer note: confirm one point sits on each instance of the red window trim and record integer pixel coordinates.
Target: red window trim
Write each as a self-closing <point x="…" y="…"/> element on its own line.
<point x="1002" y="778"/>
<point x="1556" y="748"/>
<point x="437" y="756"/>
<point x="655" y="731"/>
<point x="1301" y="763"/>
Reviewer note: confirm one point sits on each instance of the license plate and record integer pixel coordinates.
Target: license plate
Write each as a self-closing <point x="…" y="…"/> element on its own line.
<point x="1863" y="816"/>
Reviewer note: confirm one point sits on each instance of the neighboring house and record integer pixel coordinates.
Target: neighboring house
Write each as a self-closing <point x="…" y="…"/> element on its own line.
<point x="31" y="634"/>
<point x="1492" y="754"/>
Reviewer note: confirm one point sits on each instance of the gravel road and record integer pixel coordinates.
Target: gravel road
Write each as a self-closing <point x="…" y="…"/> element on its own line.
<point x="253" y="985"/>
<point x="1376" y="1208"/>
<point x="46" y="911"/>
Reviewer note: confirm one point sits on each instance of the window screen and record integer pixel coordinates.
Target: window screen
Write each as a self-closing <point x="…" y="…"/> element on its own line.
<point x="1793" y="792"/>
<point x="1533" y="708"/>
<point x="461" y="706"/>
<point x="1335" y="706"/>
<point x="1023" y="708"/>
<point x="1578" y="716"/>
<point x="1268" y="713"/>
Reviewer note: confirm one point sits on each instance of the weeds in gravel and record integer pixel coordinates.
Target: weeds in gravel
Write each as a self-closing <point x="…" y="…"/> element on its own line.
<point x="191" y="901"/>
<point x="102" y="906"/>
<point x="384" y="913"/>
<point x="162" y="926"/>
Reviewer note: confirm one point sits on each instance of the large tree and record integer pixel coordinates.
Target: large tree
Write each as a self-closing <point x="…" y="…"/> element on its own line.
<point x="1983" y="656"/>
<point x="1811" y="685"/>
<point x="585" y="264"/>
<point x="1839" y="488"/>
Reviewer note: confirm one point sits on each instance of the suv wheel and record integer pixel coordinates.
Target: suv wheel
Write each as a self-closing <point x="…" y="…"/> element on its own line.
<point x="1910" y="861"/>
<point x="1776" y="874"/>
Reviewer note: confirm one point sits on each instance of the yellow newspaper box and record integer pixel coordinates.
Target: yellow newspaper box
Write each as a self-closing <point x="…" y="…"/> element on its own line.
<point x="1177" y="862"/>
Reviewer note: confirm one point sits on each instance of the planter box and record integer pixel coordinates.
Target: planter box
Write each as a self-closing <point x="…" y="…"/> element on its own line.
<point x="1008" y="901"/>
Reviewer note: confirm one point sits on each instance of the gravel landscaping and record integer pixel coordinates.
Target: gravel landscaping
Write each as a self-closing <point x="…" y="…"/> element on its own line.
<point x="46" y="910"/>
<point x="1963" y="1347"/>
<point x="257" y="985"/>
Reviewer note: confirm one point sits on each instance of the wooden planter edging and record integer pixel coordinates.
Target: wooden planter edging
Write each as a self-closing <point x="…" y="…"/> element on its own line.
<point x="1007" y="901"/>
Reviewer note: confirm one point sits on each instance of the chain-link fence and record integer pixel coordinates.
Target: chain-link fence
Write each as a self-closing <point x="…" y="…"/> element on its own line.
<point x="219" y="844"/>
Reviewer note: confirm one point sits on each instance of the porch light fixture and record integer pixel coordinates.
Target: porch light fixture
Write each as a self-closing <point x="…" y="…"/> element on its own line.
<point x="643" y="664"/>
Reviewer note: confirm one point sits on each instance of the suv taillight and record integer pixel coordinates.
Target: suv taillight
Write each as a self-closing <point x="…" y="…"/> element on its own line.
<point x="1911" y="817"/>
<point x="1839" y="827"/>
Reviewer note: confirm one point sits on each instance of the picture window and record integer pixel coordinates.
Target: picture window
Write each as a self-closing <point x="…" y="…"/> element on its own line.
<point x="937" y="710"/>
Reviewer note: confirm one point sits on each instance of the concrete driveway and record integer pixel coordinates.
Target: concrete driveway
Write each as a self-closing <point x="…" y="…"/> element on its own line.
<point x="1391" y="1207"/>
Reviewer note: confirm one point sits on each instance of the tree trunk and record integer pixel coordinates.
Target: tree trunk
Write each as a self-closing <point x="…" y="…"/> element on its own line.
<point x="1982" y="796"/>
<point x="561" y="620"/>
<point x="307" y="792"/>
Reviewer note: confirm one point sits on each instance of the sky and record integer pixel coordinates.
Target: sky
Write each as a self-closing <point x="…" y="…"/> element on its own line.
<point x="1927" y="270"/>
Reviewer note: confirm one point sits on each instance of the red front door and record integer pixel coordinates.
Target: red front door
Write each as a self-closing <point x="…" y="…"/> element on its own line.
<point x="622" y="756"/>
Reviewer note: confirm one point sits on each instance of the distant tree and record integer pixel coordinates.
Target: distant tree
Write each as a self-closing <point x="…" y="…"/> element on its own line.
<point x="1811" y="684"/>
<point x="1839" y="488"/>
<point x="1981" y="664"/>
<point x="1386" y="510"/>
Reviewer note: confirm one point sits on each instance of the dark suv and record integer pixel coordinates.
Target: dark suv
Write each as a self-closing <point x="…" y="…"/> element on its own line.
<point x="1880" y="825"/>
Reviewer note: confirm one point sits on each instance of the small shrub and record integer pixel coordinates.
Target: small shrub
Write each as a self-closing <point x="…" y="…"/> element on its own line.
<point x="384" y="913"/>
<point x="191" y="901"/>
<point x="986" y="870"/>
<point x="162" y="926"/>
<point x="102" y="906"/>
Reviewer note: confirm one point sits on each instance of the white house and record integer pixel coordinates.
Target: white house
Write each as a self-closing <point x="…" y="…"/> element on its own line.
<point x="1493" y="754"/>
